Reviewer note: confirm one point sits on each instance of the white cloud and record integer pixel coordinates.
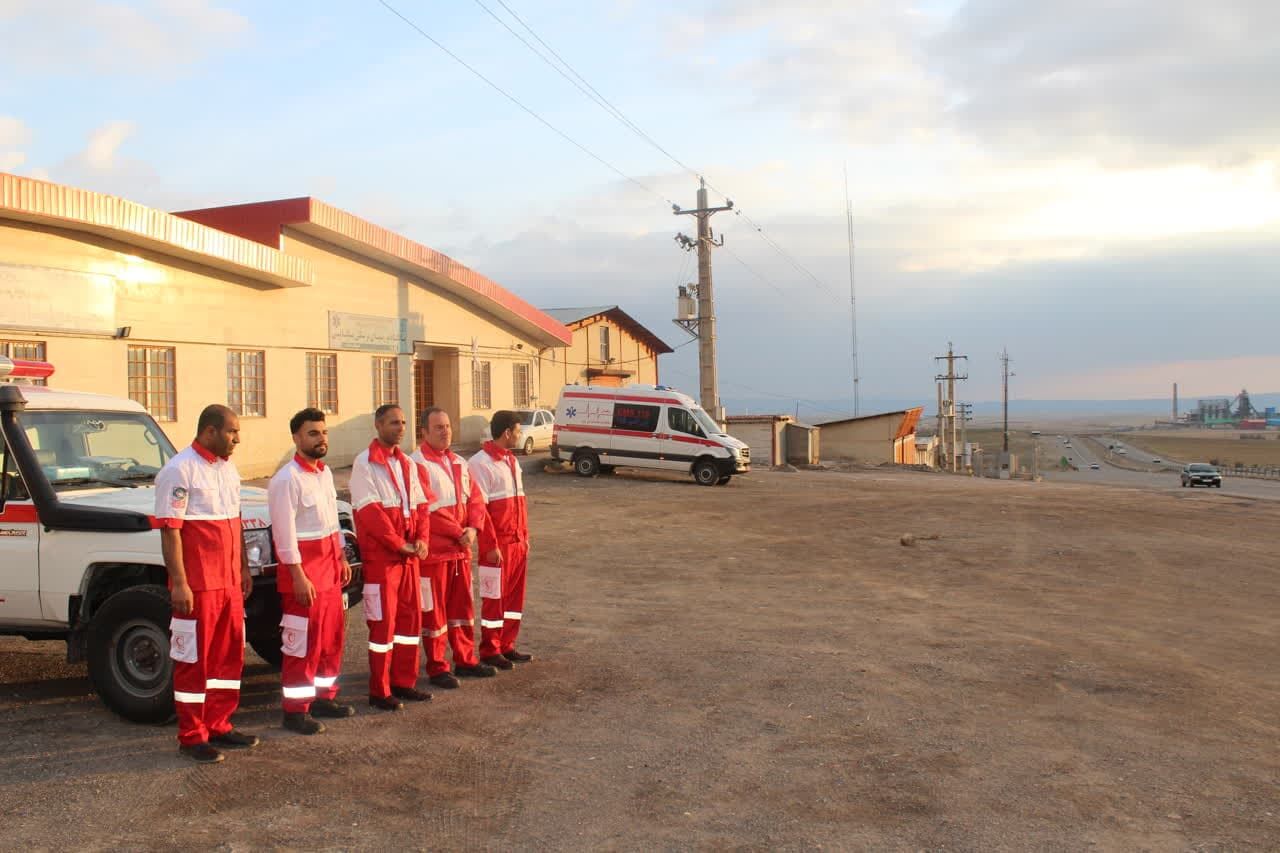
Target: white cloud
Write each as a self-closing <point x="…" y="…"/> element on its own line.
<point x="80" y="36"/>
<point x="103" y="145"/>
<point x="13" y="132"/>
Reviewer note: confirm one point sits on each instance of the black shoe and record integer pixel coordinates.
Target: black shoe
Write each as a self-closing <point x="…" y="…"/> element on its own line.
<point x="202" y="753"/>
<point x="331" y="709"/>
<point x="446" y="681"/>
<point x="480" y="670"/>
<point x="385" y="703"/>
<point x="303" y="724"/>
<point x="497" y="661"/>
<point x="234" y="739"/>
<point x="515" y="657"/>
<point x="411" y="694"/>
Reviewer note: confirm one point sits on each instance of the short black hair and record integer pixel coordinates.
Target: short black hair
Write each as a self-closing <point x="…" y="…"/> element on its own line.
<point x="214" y="415"/>
<point x="503" y="421"/>
<point x="425" y="417"/>
<point x="380" y="412"/>
<point x="296" y="422"/>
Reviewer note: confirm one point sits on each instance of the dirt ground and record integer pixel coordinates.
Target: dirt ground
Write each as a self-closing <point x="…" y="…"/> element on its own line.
<point x="760" y="666"/>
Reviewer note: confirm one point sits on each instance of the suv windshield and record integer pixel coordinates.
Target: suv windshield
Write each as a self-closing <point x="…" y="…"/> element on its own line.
<point x="78" y="449"/>
<point x="526" y="418"/>
<point x="1202" y="469"/>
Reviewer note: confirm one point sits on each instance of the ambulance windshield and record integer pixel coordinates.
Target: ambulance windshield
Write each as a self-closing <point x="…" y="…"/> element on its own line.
<point x="704" y="420"/>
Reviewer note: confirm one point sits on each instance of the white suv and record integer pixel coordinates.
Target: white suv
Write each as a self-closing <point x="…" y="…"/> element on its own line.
<point x="79" y="558"/>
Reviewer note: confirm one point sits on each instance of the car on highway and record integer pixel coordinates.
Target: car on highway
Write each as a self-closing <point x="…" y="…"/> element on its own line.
<point x="1155" y="461"/>
<point x="1094" y="466"/>
<point x="1201" y="474"/>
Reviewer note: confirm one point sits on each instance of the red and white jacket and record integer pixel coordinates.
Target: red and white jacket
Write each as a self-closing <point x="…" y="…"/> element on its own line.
<point x="304" y="523"/>
<point x="501" y="482"/>
<point x="454" y="504"/>
<point x="200" y="494"/>
<point x="386" y="495"/>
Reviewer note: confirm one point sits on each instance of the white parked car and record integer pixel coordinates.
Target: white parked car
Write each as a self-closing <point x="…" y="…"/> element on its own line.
<point x="535" y="429"/>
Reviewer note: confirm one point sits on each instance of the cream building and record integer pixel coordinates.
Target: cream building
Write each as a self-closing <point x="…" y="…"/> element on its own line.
<point x="609" y="348"/>
<point x="889" y="437"/>
<point x="268" y="307"/>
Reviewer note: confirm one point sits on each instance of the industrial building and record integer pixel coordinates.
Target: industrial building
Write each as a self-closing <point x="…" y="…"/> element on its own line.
<point x="609" y="348"/>
<point x="889" y="437"/>
<point x="268" y="307"/>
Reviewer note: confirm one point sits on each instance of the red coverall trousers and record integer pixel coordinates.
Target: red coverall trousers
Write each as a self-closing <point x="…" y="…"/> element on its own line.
<point x="500" y="616"/>
<point x="451" y="617"/>
<point x="393" y="611"/>
<point x="312" y="640"/>
<point x="207" y="647"/>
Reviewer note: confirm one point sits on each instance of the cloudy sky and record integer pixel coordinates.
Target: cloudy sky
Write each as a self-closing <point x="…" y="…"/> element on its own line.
<point x="1091" y="183"/>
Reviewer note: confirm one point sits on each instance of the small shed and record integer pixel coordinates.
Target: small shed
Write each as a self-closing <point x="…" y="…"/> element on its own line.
<point x="764" y="434"/>
<point x="888" y="437"/>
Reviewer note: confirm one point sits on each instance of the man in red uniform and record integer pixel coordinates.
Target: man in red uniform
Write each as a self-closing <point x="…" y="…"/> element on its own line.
<point x="456" y="510"/>
<point x="387" y="497"/>
<point x="504" y="542"/>
<point x="198" y="510"/>
<point x="312" y="572"/>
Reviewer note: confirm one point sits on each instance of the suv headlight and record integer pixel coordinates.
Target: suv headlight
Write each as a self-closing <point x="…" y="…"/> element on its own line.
<point x="257" y="549"/>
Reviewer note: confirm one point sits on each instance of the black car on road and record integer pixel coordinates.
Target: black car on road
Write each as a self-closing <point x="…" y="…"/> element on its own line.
<point x="1201" y="474"/>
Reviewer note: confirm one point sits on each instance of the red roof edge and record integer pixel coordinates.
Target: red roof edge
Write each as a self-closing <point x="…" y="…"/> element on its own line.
<point x="260" y="221"/>
<point x="263" y="221"/>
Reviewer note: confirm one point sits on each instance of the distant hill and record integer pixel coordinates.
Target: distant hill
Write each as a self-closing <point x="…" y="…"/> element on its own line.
<point x="817" y="411"/>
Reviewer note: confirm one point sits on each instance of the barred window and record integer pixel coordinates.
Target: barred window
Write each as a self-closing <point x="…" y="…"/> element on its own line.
<point x="153" y="381"/>
<point x="322" y="381"/>
<point x="480" y="396"/>
<point x="522" y="387"/>
<point x="386" y="380"/>
<point x="27" y="350"/>
<point x="247" y="382"/>
<point x="604" y="343"/>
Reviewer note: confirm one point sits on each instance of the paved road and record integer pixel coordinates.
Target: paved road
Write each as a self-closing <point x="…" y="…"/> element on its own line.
<point x="1160" y="477"/>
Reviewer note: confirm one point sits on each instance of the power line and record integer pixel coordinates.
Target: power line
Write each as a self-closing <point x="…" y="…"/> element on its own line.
<point x="513" y="99"/>
<point x="585" y="87"/>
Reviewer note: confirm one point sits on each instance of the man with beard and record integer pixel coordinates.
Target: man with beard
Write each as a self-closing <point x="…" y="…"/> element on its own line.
<point x="198" y="512"/>
<point x="312" y="572"/>
<point x="504" y="542"/>
<point x="387" y="497"/>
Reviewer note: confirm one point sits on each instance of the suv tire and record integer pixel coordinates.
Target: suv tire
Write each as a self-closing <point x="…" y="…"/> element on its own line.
<point x="263" y="630"/>
<point x="128" y="654"/>
<point x="528" y="446"/>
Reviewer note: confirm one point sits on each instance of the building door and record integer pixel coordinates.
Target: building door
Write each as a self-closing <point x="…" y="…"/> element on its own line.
<point x="424" y="386"/>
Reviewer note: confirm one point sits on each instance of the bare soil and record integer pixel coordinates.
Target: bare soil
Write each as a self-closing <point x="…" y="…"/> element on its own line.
<point x="759" y="666"/>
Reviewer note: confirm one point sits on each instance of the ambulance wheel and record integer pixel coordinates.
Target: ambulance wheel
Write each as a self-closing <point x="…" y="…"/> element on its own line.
<point x="586" y="464"/>
<point x="128" y="652"/>
<point x="528" y="447"/>
<point x="724" y="481"/>
<point x="705" y="473"/>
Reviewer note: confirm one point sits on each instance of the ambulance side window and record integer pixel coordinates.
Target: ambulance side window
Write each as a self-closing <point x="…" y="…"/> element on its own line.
<point x="635" y="418"/>
<point x="681" y="421"/>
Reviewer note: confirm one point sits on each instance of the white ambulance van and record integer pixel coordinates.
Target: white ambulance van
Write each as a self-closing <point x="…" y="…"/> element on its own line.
<point x="643" y="426"/>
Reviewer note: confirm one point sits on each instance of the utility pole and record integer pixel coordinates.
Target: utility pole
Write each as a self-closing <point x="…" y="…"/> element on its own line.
<point x="942" y="441"/>
<point x="951" y="377"/>
<point x="966" y="415"/>
<point x="853" y="297"/>
<point x="708" y="377"/>
<point x="1004" y="361"/>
